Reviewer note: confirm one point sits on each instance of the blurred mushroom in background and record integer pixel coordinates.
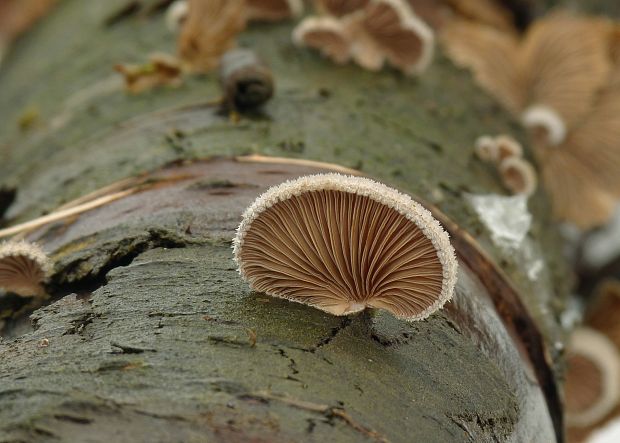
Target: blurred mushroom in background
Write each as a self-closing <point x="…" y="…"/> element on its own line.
<point x="560" y="80"/>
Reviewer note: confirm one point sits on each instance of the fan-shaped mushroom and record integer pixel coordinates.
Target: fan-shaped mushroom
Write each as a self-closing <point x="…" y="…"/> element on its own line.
<point x="23" y="268"/>
<point x="326" y="34"/>
<point x="390" y="30"/>
<point x="342" y="244"/>
<point x="518" y="175"/>
<point x="592" y="386"/>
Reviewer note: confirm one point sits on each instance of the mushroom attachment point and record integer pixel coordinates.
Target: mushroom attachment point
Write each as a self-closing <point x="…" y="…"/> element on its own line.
<point x="342" y="244"/>
<point x="23" y="268"/>
<point x="247" y="82"/>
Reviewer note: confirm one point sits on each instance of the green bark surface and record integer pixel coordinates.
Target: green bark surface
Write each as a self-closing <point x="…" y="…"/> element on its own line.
<point x="197" y="378"/>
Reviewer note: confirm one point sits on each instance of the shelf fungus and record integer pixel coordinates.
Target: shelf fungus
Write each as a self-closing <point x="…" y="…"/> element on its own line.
<point x="23" y="268"/>
<point x="342" y="244"/>
<point x="592" y="387"/>
<point x="247" y="82"/>
<point x="383" y="31"/>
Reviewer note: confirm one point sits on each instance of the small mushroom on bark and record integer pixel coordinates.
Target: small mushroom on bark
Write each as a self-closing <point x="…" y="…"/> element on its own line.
<point x="592" y="387"/>
<point x="325" y="34"/>
<point x="390" y="30"/>
<point x="518" y="175"/>
<point x="23" y="268"/>
<point x="382" y="31"/>
<point x="342" y="244"/>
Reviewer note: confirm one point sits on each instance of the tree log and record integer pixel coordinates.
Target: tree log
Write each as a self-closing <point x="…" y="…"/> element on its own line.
<point x="150" y="334"/>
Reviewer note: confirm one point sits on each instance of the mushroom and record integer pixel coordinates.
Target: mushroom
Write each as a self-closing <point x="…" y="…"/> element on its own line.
<point x="326" y="34"/>
<point x="340" y="8"/>
<point x="273" y="10"/>
<point x="492" y="56"/>
<point x="507" y="147"/>
<point x="592" y="387"/>
<point x="581" y="174"/>
<point x="383" y="30"/>
<point x="544" y="124"/>
<point x="342" y="244"/>
<point x="495" y="149"/>
<point x="176" y="15"/>
<point x="209" y="31"/>
<point x="390" y="30"/>
<point x="486" y="149"/>
<point x="518" y="175"/>
<point x="560" y="65"/>
<point x="23" y="268"/>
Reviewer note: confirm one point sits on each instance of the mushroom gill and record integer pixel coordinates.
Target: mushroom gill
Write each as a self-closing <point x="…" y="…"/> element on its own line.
<point x="326" y="34"/>
<point x="343" y="243"/>
<point x="23" y="268"/>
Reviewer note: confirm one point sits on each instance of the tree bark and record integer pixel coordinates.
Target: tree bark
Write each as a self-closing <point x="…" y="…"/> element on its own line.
<point x="150" y="334"/>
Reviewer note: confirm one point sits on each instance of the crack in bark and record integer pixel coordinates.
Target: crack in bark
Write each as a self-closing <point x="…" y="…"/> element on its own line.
<point x="345" y="322"/>
<point x="330" y="412"/>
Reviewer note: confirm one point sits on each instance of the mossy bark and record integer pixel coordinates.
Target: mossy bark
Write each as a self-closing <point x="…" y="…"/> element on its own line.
<point x="150" y="335"/>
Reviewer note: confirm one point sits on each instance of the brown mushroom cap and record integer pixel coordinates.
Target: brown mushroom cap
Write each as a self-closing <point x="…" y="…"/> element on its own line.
<point x="23" y="268"/>
<point x="518" y="175"/>
<point x="592" y="387"/>
<point x="326" y="34"/>
<point x="507" y="147"/>
<point x="343" y="243"/>
<point x="405" y="40"/>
